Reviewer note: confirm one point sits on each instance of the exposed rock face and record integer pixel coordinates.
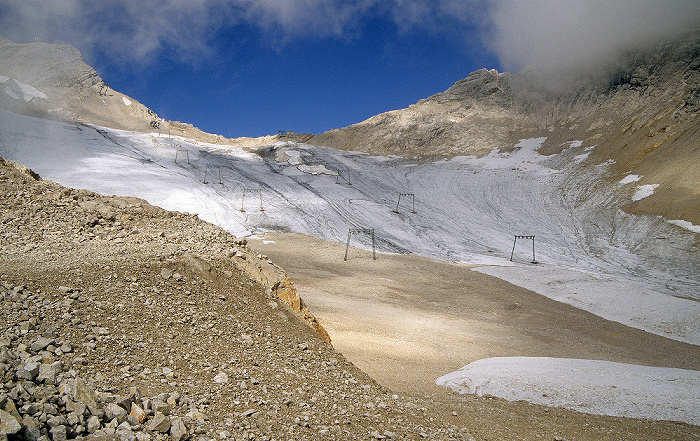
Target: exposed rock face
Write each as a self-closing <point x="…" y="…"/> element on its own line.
<point x="53" y="81"/>
<point x="644" y="118"/>
<point x="74" y="91"/>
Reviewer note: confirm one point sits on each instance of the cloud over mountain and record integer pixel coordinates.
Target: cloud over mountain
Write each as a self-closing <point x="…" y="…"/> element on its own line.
<point x="540" y="34"/>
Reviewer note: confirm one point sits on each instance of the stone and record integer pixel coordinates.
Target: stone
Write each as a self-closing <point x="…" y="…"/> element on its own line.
<point x="40" y="343"/>
<point x="160" y="406"/>
<point x="29" y="371"/>
<point x="73" y="419"/>
<point x="58" y="420"/>
<point x="221" y="378"/>
<point x="138" y="413"/>
<point x="83" y="394"/>
<point x="196" y="415"/>
<point x="125" y="402"/>
<point x="8" y="423"/>
<point x="115" y="411"/>
<point x="32" y="433"/>
<point x="93" y="424"/>
<point x="47" y="373"/>
<point x="59" y="433"/>
<point x="178" y="430"/>
<point x="159" y="423"/>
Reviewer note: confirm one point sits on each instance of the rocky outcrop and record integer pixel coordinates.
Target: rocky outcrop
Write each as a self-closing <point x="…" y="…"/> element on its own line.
<point x="275" y="279"/>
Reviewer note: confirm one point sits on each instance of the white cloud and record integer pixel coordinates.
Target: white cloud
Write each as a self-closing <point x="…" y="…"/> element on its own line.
<point x="543" y="34"/>
<point x="551" y="34"/>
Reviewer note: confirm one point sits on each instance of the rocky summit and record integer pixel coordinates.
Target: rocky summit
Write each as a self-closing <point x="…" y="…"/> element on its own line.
<point x="642" y="118"/>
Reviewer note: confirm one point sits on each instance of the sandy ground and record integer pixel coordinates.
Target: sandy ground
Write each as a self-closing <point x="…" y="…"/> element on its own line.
<point x="407" y="320"/>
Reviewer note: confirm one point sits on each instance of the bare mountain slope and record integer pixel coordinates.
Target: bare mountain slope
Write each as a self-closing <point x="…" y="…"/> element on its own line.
<point x="53" y="81"/>
<point x="644" y="117"/>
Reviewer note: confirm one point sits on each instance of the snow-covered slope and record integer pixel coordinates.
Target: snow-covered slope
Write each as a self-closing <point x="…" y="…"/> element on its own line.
<point x="631" y="269"/>
<point x="590" y="253"/>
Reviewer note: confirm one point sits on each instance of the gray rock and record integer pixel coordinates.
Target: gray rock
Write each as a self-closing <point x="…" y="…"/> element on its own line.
<point x="32" y="433"/>
<point x="143" y="436"/>
<point x="59" y="433"/>
<point x="158" y="405"/>
<point x="8" y="423"/>
<point x="113" y="411"/>
<point x="40" y="344"/>
<point x="29" y="371"/>
<point x="93" y="424"/>
<point x="58" y="420"/>
<point x="73" y="419"/>
<point x="178" y="430"/>
<point x="82" y="393"/>
<point x="159" y="423"/>
<point x="48" y="373"/>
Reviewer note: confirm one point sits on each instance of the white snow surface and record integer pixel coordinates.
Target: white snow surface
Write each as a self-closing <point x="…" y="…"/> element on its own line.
<point x="127" y="101"/>
<point x="630" y="269"/>
<point x="644" y="191"/>
<point x="629" y="179"/>
<point x="21" y="91"/>
<point x="591" y="386"/>
<point x="685" y="224"/>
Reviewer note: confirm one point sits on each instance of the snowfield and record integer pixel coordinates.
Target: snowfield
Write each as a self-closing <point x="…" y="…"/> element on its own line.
<point x="640" y="271"/>
<point x="592" y="386"/>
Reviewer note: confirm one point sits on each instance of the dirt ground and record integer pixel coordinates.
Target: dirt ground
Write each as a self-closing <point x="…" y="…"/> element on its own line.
<point x="407" y="320"/>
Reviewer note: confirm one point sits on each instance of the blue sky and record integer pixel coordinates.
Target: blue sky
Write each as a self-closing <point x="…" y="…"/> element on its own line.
<point x="311" y="84"/>
<point x="257" y="67"/>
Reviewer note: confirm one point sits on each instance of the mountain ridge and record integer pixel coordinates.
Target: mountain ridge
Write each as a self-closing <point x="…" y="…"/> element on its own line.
<point x="641" y="118"/>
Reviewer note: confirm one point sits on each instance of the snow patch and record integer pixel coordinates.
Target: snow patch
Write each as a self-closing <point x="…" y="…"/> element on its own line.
<point x="480" y="259"/>
<point x="644" y="191"/>
<point x="127" y="101"/>
<point x="316" y="169"/>
<point x="591" y="386"/>
<point x="25" y="92"/>
<point x="582" y="157"/>
<point x="11" y="93"/>
<point x="622" y="301"/>
<point x="292" y="157"/>
<point x="685" y="224"/>
<point x="523" y="157"/>
<point x="629" y="179"/>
